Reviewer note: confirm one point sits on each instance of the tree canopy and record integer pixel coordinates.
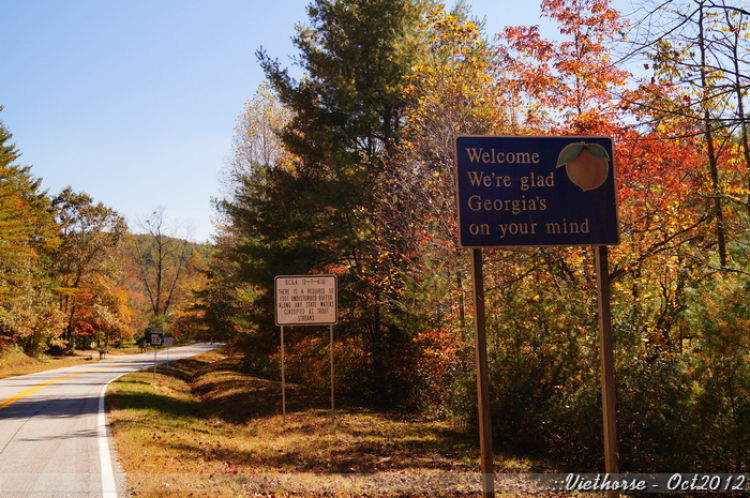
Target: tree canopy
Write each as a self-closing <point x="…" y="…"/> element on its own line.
<point x="359" y="183"/>
<point x="65" y="280"/>
<point x="348" y="170"/>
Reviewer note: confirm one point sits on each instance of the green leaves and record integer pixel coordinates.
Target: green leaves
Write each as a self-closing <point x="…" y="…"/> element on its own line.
<point x="572" y="151"/>
<point x="569" y="153"/>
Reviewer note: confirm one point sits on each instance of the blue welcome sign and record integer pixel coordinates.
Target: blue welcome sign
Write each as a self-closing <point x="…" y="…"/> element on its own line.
<point x="535" y="191"/>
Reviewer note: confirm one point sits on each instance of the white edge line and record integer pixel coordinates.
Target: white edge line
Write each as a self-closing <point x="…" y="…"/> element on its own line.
<point x="109" y="487"/>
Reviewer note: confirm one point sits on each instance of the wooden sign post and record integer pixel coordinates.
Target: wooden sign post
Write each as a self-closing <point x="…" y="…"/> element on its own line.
<point x="606" y="357"/>
<point x="483" y="377"/>
<point x="538" y="191"/>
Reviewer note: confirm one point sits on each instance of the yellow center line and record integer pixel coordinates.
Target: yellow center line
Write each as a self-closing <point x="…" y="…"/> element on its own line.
<point x="20" y="395"/>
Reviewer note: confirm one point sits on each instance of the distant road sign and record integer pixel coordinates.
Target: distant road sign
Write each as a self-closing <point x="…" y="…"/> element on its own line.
<point x="535" y="191"/>
<point x="156" y="336"/>
<point x="168" y="341"/>
<point x="306" y="300"/>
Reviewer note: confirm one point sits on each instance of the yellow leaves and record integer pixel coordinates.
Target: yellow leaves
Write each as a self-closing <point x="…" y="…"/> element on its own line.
<point x="644" y="297"/>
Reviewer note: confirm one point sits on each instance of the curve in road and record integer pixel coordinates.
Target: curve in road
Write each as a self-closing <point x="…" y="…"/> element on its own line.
<point x="53" y="428"/>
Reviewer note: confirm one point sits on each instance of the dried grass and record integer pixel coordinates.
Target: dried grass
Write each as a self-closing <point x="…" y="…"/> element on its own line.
<point x="205" y="429"/>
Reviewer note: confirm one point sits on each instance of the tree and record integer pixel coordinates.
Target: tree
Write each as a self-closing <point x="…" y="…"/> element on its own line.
<point x="256" y="139"/>
<point x="450" y="92"/>
<point x="698" y="54"/>
<point x="18" y="218"/>
<point x="257" y="150"/>
<point x="85" y="264"/>
<point x="564" y="87"/>
<point x="27" y="231"/>
<point x="162" y="263"/>
<point x="319" y="215"/>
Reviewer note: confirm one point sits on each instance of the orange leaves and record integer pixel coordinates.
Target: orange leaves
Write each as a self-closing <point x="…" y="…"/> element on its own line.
<point x="441" y="353"/>
<point x="84" y="328"/>
<point x="570" y="80"/>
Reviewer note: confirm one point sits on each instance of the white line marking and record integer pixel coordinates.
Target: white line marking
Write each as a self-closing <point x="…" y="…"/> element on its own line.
<point x="109" y="487"/>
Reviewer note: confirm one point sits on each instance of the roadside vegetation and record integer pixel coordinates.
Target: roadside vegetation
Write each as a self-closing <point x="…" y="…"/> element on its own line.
<point x="349" y="170"/>
<point x="15" y="362"/>
<point x="72" y="272"/>
<point x="204" y="428"/>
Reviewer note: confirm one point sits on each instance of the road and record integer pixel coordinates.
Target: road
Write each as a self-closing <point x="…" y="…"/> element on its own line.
<point x="53" y="432"/>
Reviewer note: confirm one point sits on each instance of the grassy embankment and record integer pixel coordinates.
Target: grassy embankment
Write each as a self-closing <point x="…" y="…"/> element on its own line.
<point x="205" y="429"/>
<point x="14" y="363"/>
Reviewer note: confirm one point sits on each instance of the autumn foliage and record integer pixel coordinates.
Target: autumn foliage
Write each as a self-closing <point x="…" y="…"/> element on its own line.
<point x="360" y="184"/>
<point x="66" y="280"/>
<point x="349" y="171"/>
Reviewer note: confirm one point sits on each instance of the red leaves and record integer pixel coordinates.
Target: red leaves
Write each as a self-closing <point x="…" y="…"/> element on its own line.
<point x="570" y="80"/>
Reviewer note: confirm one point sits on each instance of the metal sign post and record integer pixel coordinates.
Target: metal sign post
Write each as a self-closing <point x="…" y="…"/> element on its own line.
<point x="156" y="339"/>
<point x="154" y="379"/>
<point x="305" y="300"/>
<point x="168" y="341"/>
<point x="332" y="412"/>
<point x="283" y="380"/>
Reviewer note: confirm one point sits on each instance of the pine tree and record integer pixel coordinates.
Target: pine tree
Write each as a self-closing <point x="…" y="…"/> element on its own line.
<point x="27" y="231"/>
<point x="319" y="214"/>
<point x="16" y="230"/>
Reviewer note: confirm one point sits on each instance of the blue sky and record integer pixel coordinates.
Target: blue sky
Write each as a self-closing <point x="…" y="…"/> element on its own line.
<point x="134" y="102"/>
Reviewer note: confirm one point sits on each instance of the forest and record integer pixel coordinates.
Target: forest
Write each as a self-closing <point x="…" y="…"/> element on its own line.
<point x="73" y="277"/>
<point x="348" y="170"/>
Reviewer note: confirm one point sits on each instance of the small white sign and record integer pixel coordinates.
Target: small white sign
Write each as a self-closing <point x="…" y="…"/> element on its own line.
<point x="168" y="342"/>
<point x="306" y="300"/>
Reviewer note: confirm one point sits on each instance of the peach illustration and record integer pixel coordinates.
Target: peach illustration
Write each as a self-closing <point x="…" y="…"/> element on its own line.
<point x="587" y="165"/>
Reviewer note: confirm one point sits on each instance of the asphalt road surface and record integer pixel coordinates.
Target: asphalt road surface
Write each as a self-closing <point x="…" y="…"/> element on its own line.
<point x="53" y="431"/>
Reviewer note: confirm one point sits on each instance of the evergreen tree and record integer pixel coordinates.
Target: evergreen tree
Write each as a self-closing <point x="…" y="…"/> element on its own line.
<point x="319" y="213"/>
<point x="16" y="229"/>
<point x="27" y="231"/>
